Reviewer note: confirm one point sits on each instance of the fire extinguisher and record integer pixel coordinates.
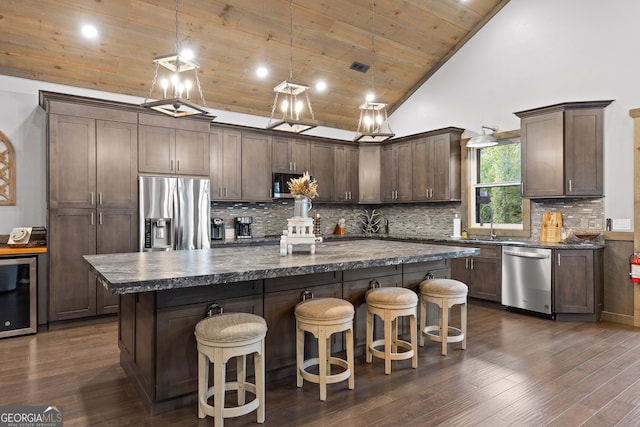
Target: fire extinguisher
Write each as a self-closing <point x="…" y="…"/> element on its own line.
<point x="635" y="268"/>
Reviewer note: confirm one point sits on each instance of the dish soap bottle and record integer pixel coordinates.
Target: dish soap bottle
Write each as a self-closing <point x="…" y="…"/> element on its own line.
<point x="464" y="234"/>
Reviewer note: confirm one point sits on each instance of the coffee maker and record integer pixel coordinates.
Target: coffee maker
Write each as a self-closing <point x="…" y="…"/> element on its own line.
<point x="217" y="229"/>
<point x="243" y="227"/>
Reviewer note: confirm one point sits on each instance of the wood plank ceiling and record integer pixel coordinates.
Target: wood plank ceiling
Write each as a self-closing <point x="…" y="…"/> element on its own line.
<point x="40" y="39"/>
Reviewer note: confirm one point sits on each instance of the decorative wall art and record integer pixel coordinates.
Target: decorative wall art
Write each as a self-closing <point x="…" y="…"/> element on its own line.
<point x="7" y="172"/>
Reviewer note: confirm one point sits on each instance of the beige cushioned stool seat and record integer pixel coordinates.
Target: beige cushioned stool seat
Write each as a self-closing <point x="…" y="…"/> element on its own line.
<point x="445" y="293"/>
<point x="390" y="303"/>
<point x="323" y="317"/>
<point x="220" y="338"/>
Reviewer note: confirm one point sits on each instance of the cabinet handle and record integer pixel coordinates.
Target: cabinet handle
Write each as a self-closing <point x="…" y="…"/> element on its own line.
<point x="396" y="194"/>
<point x="225" y="191"/>
<point x="170" y="165"/>
<point x="295" y="168"/>
<point x="472" y="264"/>
<point x="100" y="198"/>
<point x="466" y="263"/>
<point x="570" y="186"/>
<point x="558" y="257"/>
<point x="91" y="218"/>
<point x="178" y="165"/>
<point x="522" y="189"/>
<point x="100" y="218"/>
<point x="92" y="198"/>
<point x="350" y="196"/>
<point x="431" y="193"/>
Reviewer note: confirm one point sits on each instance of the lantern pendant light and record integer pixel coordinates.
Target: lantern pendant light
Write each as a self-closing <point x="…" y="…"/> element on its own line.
<point x="373" y="125"/>
<point x="177" y="89"/>
<point x="294" y="118"/>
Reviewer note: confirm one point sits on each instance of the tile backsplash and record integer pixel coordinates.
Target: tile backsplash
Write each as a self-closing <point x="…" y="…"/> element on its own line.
<point x="431" y="219"/>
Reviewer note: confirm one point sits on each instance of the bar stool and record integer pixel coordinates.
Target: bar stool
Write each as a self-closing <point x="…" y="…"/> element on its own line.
<point x="445" y="293"/>
<point x="389" y="304"/>
<point x="219" y="338"/>
<point x="323" y="317"/>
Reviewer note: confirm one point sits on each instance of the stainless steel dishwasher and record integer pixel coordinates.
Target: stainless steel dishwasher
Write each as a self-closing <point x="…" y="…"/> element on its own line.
<point x="526" y="279"/>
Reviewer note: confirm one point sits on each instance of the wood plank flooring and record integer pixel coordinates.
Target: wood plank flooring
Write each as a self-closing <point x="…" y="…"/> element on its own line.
<point x="517" y="370"/>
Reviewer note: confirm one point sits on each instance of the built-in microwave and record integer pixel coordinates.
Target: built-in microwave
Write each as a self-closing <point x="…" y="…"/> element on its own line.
<point x="280" y="184"/>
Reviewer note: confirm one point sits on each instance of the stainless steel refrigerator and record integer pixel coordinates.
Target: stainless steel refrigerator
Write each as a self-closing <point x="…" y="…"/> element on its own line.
<point x="174" y="213"/>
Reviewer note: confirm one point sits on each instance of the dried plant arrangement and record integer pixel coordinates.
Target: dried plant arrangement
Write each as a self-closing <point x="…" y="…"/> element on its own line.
<point x="303" y="186"/>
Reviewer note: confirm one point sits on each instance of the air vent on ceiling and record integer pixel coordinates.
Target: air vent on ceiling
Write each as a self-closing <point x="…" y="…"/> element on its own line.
<point x="358" y="66"/>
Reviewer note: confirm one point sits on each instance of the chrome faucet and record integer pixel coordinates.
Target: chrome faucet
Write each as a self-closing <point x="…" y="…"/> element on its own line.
<point x="492" y="235"/>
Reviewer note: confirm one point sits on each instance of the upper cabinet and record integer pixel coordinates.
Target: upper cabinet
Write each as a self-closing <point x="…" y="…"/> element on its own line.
<point x="226" y="164"/>
<point x="92" y="162"/>
<point x="396" y="172"/>
<point x="256" y="167"/>
<point x="322" y="170"/>
<point x="290" y="155"/>
<point x="369" y="173"/>
<point x="436" y="166"/>
<point x="170" y="146"/>
<point x="562" y="148"/>
<point x="346" y="173"/>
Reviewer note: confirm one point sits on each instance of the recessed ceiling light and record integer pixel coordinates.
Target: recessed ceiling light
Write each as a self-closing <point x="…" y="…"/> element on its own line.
<point x="89" y="31"/>
<point x="321" y="85"/>
<point x="262" y="72"/>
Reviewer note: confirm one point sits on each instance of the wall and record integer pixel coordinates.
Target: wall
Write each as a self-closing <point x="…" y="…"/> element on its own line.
<point x="538" y="53"/>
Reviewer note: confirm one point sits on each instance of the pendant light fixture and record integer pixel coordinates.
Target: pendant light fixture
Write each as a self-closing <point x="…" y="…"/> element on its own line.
<point x="483" y="140"/>
<point x="177" y="88"/>
<point x="373" y="125"/>
<point x="294" y="117"/>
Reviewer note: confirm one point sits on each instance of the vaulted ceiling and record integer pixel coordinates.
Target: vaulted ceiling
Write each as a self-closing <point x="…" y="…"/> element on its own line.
<point x="40" y="39"/>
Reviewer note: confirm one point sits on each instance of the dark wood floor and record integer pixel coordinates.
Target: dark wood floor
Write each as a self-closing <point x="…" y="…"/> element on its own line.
<point x="517" y="370"/>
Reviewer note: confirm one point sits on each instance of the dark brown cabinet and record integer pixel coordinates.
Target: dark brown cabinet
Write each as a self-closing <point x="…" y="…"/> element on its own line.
<point x="369" y="173"/>
<point x="92" y="200"/>
<point x="280" y="299"/>
<point x="322" y="170"/>
<point x="256" y="167"/>
<point x="482" y="274"/>
<point x="169" y="146"/>
<point x="578" y="284"/>
<point x="346" y="174"/>
<point x="225" y="164"/>
<point x="562" y="150"/>
<point x="436" y="167"/>
<point x="291" y="155"/>
<point x="395" y="184"/>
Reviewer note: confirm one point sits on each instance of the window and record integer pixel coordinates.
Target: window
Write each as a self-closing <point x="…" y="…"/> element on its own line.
<point x="495" y="187"/>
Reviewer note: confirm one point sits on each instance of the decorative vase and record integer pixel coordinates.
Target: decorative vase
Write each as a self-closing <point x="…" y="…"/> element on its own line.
<point x="301" y="207"/>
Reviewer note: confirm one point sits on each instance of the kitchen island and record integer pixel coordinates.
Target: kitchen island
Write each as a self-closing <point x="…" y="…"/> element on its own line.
<point x="164" y="294"/>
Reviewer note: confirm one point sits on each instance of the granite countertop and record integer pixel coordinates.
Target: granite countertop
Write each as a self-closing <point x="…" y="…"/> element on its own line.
<point x="152" y="271"/>
<point x="571" y="244"/>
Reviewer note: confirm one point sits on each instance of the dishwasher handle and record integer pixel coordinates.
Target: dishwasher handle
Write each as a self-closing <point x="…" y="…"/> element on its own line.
<point x="527" y="254"/>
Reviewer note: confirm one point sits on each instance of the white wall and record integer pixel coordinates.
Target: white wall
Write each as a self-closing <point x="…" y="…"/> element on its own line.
<point x="531" y="54"/>
<point x="535" y="53"/>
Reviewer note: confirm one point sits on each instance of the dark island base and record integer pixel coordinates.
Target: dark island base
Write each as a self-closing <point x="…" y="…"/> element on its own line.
<point x="158" y="349"/>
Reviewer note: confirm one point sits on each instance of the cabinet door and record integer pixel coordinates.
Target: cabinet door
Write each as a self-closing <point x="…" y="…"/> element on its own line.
<point x="192" y="153"/>
<point x="542" y="147"/>
<point x="225" y="165"/>
<point x="256" y="167"/>
<point x="323" y="170"/>
<point x="300" y="156"/>
<point x="179" y="368"/>
<point x="281" y="338"/>
<point x="117" y="164"/>
<point x="72" y="288"/>
<point x="388" y="184"/>
<point x="584" y="152"/>
<point x="281" y="155"/>
<point x="441" y="165"/>
<point x="573" y="280"/>
<point x="156" y="149"/>
<point x="346" y="173"/>
<point x="404" y="172"/>
<point x="117" y="232"/>
<point x="486" y="281"/>
<point x="72" y="162"/>
<point x="422" y="151"/>
<point x="369" y="174"/>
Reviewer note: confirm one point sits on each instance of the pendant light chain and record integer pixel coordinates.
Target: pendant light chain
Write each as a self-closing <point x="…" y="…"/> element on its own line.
<point x="373" y="51"/>
<point x="290" y="39"/>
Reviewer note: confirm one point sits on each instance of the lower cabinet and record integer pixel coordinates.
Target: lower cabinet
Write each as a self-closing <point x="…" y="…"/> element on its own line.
<point x="482" y="274"/>
<point x="73" y="292"/>
<point x="280" y="299"/>
<point x="578" y="289"/>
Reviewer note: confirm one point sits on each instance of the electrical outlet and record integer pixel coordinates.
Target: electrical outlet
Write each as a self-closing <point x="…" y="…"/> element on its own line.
<point x="621" y="224"/>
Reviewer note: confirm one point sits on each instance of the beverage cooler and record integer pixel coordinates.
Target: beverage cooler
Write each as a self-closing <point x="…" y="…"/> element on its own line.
<point x="18" y="297"/>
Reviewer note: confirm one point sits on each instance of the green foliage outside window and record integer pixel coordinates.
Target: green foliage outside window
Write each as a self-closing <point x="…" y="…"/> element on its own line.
<point x="499" y="184"/>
